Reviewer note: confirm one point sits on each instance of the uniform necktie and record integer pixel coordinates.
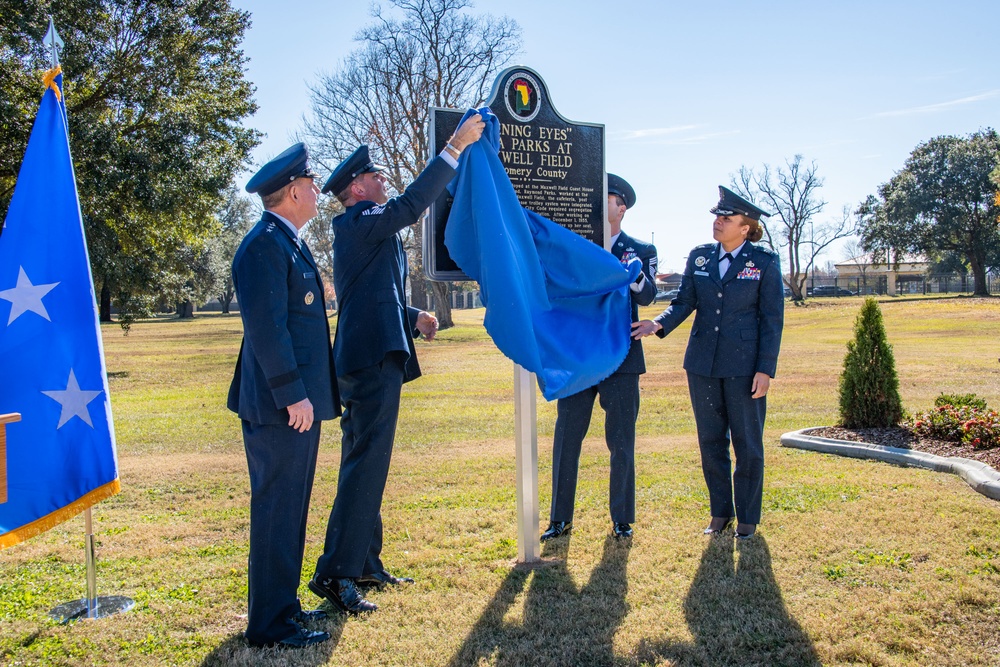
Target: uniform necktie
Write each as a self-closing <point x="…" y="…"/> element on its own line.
<point x="728" y="259"/>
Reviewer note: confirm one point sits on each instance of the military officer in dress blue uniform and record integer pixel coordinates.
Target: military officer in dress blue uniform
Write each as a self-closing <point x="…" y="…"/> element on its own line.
<point x="283" y="388"/>
<point x="735" y="290"/>
<point x="375" y="355"/>
<point x="619" y="395"/>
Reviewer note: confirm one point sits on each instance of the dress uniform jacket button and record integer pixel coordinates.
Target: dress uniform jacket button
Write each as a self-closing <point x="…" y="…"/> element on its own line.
<point x="718" y="312"/>
<point x="720" y="295"/>
<point x="716" y="328"/>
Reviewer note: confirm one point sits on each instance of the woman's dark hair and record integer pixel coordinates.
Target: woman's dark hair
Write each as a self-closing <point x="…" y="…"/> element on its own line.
<point x="756" y="232"/>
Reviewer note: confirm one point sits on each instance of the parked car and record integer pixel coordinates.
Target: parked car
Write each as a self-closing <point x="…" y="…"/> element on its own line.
<point x="665" y="295"/>
<point x="829" y="290"/>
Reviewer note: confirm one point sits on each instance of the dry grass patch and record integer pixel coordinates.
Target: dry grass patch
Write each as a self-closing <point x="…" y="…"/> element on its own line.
<point x="860" y="563"/>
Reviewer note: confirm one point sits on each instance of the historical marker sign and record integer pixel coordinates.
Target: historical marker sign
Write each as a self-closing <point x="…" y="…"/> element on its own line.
<point x="556" y="166"/>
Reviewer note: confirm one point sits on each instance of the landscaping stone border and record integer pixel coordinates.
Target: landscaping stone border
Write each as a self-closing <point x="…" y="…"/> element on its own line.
<point x="979" y="476"/>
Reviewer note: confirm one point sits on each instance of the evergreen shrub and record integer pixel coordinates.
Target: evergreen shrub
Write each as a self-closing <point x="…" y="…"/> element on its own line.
<point x="869" y="386"/>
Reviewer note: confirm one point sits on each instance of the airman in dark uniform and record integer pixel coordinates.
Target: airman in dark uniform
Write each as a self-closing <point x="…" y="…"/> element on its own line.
<point x="734" y="287"/>
<point x="619" y="396"/>
<point x="283" y="388"/>
<point x="375" y="356"/>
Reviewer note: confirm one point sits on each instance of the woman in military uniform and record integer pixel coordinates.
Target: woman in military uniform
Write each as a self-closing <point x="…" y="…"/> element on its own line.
<point x="734" y="288"/>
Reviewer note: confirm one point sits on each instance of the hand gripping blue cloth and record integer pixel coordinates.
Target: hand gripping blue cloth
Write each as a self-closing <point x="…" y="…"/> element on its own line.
<point x="556" y="303"/>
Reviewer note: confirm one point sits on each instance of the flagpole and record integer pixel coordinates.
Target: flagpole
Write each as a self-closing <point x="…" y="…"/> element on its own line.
<point x="92" y="606"/>
<point x="92" y="601"/>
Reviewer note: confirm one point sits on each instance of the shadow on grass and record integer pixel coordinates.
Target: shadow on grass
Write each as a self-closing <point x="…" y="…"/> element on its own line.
<point x="558" y="623"/>
<point x="736" y="614"/>
<point x="235" y="652"/>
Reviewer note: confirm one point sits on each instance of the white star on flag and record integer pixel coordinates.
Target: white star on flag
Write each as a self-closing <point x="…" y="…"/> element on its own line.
<point x="73" y="401"/>
<point x="25" y="296"/>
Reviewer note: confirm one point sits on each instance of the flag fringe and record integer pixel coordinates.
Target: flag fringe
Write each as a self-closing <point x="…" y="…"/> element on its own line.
<point x="50" y="80"/>
<point x="39" y="526"/>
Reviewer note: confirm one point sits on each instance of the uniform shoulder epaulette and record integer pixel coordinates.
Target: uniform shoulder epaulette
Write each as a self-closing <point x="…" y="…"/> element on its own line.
<point x="766" y="250"/>
<point x="704" y="246"/>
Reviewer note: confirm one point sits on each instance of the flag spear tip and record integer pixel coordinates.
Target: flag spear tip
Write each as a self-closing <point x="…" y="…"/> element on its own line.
<point x="53" y="40"/>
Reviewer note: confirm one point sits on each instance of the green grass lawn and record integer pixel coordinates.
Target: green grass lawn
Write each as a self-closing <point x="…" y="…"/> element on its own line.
<point x="857" y="562"/>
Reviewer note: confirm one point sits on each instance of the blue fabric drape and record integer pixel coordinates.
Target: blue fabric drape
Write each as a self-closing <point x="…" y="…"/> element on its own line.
<point x="556" y="303"/>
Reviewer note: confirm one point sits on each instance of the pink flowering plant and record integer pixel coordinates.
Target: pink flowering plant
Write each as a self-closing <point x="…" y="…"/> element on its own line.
<point x="972" y="424"/>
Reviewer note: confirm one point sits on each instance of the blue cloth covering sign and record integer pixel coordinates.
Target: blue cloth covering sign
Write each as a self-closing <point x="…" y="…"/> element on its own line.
<point x="556" y="303"/>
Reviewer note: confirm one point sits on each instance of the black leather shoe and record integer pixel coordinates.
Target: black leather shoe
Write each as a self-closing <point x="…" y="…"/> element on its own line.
<point x="745" y="531"/>
<point x="342" y="593"/>
<point x="718" y="526"/>
<point x="556" y="529"/>
<point x="306" y="615"/>
<point x="380" y="579"/>
<point x="300" y="639"/>
<point x="621" y="531"/>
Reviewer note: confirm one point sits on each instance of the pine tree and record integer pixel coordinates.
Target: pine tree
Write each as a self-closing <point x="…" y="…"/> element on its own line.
<point x="869" y="386"/>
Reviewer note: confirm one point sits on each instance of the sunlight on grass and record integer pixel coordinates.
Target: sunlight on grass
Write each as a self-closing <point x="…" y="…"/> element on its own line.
<point x="857" y="563"/>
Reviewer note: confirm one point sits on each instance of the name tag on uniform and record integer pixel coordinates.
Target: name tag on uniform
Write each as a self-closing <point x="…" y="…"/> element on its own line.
<point x="308" y="274"/>
<point x="748" y="274"/>
<point x="701" y="273"/>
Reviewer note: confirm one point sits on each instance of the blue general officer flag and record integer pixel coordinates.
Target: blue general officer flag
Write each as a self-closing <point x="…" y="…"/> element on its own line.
<point x="61" y="456"/>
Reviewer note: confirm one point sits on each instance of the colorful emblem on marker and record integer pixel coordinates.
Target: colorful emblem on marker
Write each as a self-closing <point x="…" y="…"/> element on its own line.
<point x="522" y="96"/>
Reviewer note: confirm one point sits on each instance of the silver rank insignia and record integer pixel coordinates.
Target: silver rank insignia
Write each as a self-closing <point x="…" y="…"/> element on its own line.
<point x="309" y="298"/>
<point x="700" y="261"/>
<point x="750" y="265"/>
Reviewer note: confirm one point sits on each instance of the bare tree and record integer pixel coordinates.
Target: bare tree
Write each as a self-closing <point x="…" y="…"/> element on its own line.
<point x="318" y="235"/>
<point x="862" y="261"/>
<point x="434" y="54"/>
<point x="791" y="193"/>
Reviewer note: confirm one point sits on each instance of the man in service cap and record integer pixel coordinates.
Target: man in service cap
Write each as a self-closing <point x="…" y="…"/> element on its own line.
<point x="375" y="355"/>
<point x="619" y="395"/>
<point x="283" y="388"/>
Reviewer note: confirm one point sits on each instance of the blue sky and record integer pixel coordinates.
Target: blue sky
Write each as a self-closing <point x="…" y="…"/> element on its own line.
<point x="689" y="92"/>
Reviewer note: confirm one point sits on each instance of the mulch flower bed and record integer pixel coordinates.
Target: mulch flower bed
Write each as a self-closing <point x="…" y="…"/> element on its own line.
<point x="906" y="439"/>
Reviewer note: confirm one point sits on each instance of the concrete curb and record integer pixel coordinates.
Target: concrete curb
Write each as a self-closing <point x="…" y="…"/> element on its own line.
<point x="981" y="477"/>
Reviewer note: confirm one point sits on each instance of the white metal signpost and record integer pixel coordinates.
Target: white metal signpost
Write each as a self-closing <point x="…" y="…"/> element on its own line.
<point x="557" y="169"/>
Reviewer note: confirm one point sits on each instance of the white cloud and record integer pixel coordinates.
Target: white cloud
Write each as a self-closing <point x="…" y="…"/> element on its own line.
<point x="653" y="132"/>
<point x="941" y="106"/>
<point x="671" y="136"/>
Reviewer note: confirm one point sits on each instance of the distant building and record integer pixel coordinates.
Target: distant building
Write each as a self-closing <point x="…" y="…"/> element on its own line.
<point x="913" y="275"/>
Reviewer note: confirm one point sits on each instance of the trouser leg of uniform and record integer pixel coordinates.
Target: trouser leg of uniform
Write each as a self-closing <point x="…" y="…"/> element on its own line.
<point x="373" y="559"/>
<point x="281" y="462"/>
<point x="746" y="426"/>
<point x="709" y="406"/>
<point x="371" y="407"/>
<point x="572" y="421"/>
<point x="620" y="400"/>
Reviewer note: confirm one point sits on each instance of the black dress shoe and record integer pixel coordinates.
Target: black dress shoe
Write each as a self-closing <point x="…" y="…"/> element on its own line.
<point x="718" y="525"/>
<point x="555" y="529"/>
<point x="380" y="579"/>
<point x="304" y="615"/>
<point x="744" y="531"/>
<point x="343" y="594"/>
<point x="300" y="639"/>
<point x="621" y="531"/>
